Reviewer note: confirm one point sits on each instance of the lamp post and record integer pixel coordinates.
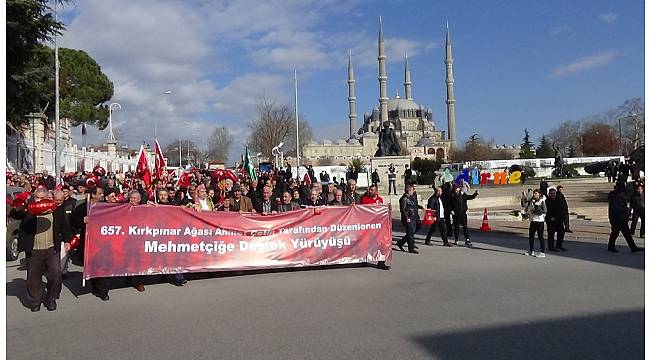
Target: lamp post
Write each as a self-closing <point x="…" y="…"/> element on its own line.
<point x="277" y="152"/>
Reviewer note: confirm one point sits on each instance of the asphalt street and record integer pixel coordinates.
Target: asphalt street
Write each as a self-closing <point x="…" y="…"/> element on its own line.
<point x="489" y="302"/>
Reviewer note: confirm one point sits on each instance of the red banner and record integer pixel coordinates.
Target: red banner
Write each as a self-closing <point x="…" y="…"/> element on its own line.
<point x="123" y="240"/>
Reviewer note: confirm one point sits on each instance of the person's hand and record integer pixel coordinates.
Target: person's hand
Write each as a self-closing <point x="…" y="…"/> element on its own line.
<point x="274" y="212"/>
<point x="197" y="207"/>
<point x="85" y="219"/>
<point x="66" y="246"/>
<point x="408" y="221"/>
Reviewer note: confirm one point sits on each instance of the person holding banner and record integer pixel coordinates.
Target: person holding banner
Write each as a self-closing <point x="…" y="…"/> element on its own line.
<point x="202" y="201"/>
<point x="435" y="203"/>
<point x="287" y="204"/>
<point x="408" y="209"/>
<point x="266" y="205"/>
<point x="239" y="202"/>
<point x="135" y="200"/>
<point x="100" y="285"/>
<point x="314" y="199"/>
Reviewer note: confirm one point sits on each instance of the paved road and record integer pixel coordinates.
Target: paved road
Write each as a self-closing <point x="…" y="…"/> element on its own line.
<point x="490" y="302"/>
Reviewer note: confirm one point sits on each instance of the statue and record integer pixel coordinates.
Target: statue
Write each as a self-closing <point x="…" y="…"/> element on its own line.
<point x="388" y="142"/>
<point x="559" y="162"/>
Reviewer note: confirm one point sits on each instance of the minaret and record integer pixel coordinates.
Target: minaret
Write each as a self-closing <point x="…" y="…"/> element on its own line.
<point x="451" y="110"/>
<point x="352" y="99"/>
<point x="383" y="92"/>
<point x="407" y="80"/>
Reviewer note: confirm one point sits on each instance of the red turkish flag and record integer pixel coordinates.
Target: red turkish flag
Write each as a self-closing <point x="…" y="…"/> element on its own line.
<point x="159" y="163"/>
<point x="143" y="171"/>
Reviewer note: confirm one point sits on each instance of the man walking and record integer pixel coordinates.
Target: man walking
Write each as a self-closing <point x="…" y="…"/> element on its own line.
<point x="409" y="215"/>
<point x="41" y="237"/>
<point x="562" y="199"/>
<point x="459" y="212"/>
<point x="435" y="204"/>
<point x="638" y="209"/>
<point x="536" y="211"/>
<point x="555" y="215"/>
<point x="619" y="214"/>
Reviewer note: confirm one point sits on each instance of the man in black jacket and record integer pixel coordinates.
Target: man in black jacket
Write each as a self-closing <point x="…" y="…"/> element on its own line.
<point x="266" y="205"/>
<point x="555" y="214"/>
<point x="637" y="202"/>
<point x="41" y="237"/>
<point x="408" y="209"/>
<point x="619" y="214"/>
<point x="459" y="212"/>
<point x="560" y="196"/>
<point x="435" y="203"/>
<point x="447" y="192"/>
<point x="99" y="286"/>
<point x="47" y="181"/>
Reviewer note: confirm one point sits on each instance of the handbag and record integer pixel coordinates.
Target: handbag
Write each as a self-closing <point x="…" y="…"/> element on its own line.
<point x="429" y="217"/>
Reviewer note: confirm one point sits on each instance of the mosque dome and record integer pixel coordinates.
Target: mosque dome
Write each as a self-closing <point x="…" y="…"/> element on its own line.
<point x="402" y="104"/>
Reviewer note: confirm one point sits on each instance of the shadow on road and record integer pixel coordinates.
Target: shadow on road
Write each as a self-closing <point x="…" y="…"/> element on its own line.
<point x="582" y="250"/>
<point x="617" y="335"/>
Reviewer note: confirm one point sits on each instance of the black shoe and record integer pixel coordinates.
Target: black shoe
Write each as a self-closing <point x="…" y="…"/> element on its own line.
<point x="382" y="266"/>
<point x="36" y="308"/>
<point x="563" y="248"/>
<point x="446" y="244"/>
<point x="428" y="243"/>
<point x="612" y="250"/>
<point x="637" y="249"/>
<point x="416" y="247"/>
<point x="104" y="297"/>
<point x="554" y="250"/>
<point x="51" y="306"/>
<point x="180" y="282"/>
<point x="414" y="251"/>
<point x="568" y="230"/>
<point x="401" y="247"/>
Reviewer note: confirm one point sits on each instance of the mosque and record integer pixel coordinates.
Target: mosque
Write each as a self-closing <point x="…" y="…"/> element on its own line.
<point x="413" y="124"/>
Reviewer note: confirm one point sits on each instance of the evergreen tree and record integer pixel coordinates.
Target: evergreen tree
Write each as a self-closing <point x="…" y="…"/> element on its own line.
<point x="545" y="149"/>
<point x="527" y="150"/>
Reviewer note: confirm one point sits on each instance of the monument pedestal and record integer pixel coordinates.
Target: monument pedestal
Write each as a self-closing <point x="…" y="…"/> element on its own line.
<point x="381" y="164"/>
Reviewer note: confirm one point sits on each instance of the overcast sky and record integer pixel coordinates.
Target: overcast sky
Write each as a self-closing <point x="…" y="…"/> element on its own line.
<point x="517" y="63"/>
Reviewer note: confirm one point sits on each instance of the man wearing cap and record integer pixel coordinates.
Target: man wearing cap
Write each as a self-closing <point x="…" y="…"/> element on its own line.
<point x="239" y="202"/>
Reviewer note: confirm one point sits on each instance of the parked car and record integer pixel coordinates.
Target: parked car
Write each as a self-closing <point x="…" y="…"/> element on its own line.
<point x="13" y="225"/>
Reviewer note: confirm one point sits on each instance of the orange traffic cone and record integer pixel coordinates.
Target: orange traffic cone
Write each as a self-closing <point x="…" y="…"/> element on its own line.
<point x="485" y="226"/>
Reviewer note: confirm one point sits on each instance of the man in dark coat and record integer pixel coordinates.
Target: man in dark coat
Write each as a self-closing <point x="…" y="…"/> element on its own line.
<point x="555" y="214"/>
<point x="99" y="286"/>
<point x="560" y="196"/>
<point x="619" y="215"/>
<point x="459" y="212"/>
<point x="447" y="192"/>
<point x="435" y="203"/>
<point x="41" y="237"/>
<point x="543" y="187"/>
<point x="638" y="209"/>
<point x="408" y="208"/>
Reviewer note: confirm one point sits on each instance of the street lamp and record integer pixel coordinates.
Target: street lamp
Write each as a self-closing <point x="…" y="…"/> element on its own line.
<point x="277" y="152"/>
<point x="111" y="136"/>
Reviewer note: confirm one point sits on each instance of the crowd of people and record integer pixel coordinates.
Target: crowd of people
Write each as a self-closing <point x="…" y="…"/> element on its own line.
<point x="47" y="239"/>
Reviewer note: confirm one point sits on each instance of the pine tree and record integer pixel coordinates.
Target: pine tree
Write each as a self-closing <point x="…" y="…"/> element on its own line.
<point x="527" y="151"/>
<point x="544" y="150"/>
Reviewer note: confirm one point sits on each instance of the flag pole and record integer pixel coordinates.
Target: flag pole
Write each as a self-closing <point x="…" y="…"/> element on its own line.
<point x="57" y="122"/>
<point x="295" y="85"/>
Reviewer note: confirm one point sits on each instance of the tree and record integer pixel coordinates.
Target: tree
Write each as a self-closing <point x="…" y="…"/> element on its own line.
<point x="84" y="88"/>
<point x="567" y="134"/>
<point x="275" y="124"/>
<point x="219" y="144"/>
<point x="527" y="151"/>
<point x="29" y="23"/>
<point x="544" y="149"/>
<point x="632" y="118"/>
<point x="195" y="155"/>
<point x="599" y="139"/>
<point x="572" y="151"/>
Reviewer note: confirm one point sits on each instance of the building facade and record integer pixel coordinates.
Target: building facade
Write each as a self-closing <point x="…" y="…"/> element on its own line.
<point x="413" y="123"/>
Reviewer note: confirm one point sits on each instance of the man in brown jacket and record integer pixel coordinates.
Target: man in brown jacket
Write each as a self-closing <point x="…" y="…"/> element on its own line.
<point x="239" y="202"/>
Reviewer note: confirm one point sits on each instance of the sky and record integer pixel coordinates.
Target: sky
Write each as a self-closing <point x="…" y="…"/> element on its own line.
<point x="517" y="64"/>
